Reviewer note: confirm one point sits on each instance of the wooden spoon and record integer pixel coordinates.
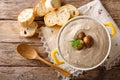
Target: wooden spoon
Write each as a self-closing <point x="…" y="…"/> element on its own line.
<point x="29" y="52"/>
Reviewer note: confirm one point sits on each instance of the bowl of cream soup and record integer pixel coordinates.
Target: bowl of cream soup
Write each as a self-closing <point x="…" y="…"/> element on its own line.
<point x="86" y="58"/>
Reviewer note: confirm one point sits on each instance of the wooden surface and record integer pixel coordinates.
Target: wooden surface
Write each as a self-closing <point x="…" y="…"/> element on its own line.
<point x="15" y="67"/>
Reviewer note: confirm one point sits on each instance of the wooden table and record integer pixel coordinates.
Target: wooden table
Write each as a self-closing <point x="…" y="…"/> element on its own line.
<point x="15" y="67"/>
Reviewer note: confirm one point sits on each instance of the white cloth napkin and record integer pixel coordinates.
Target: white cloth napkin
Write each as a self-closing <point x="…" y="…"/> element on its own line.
<point x="96" y="10"/>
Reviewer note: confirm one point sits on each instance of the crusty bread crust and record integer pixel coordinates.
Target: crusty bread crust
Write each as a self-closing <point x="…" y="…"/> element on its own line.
<point x="63" y="15"/>
<point x="29" y="31"/>
<point x="56" y="29"/>
<point x="45" y="6"/>
<point x="40" y="9"/>
<point x="73" y="10"/>
<point x="56" y="3"/>
<point x="58" y="17"/>
<point x="49" y="6"/>
<point x="26" y="17"/>
<point x="50" y="19"/>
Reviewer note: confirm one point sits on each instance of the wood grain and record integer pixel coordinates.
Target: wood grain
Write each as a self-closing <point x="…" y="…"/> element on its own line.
<point x="10" y="57"/>
<point x="9" y="38"/>
<point x="27" y="73"/>
<point x="8" y="12"/>
<point x="113" y="74"/>
<point x="9" y="9"/>
<point x="15" y="67"/>
<point x="9" y="32"/>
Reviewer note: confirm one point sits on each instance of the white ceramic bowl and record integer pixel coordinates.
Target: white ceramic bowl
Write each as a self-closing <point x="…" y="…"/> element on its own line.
<point x="109" y="40"/>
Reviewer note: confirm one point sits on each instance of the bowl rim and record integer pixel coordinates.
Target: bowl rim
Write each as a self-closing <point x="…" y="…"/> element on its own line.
<point x="109" y="39"/>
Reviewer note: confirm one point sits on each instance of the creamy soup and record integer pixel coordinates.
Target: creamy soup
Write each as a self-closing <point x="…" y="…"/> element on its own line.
<point x="86" y="57"/>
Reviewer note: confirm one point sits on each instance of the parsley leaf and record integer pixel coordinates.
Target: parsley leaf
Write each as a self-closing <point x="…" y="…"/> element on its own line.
<point x="76" y="43"/>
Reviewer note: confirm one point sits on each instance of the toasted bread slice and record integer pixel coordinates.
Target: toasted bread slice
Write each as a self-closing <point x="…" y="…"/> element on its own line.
<point x="26" y="17"/>
<point x="49" y="6"/>
<point x="50" y="19"/>
<point x="45" y="6"/>
<point x="52" y="4"/>
<point x="73" y="10"/>
<point x="40" y="9"/>
<point x="56" y="29"/>
<point x="63" y="15"/>
<point x="56" y="3"/>
<point x="29" y="31"/>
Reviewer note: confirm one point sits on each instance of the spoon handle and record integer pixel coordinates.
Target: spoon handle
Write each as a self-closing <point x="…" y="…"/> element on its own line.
<point x="64" y="72"/>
